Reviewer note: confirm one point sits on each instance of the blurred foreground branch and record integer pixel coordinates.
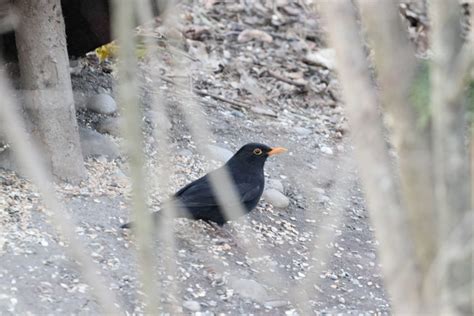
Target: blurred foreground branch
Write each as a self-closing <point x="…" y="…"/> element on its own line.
<point x="396" y="65"/>
<point x="430" y="274"/>
<point x="371" y="152"/>
<point x="123" y="22"/>
<point x="449" y="71"/>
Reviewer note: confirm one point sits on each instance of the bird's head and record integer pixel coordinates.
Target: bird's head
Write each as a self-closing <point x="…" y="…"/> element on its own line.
<point x="254" y="154"/>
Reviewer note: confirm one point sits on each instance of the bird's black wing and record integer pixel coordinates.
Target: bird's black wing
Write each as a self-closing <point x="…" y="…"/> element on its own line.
<point x="200" y="193"/>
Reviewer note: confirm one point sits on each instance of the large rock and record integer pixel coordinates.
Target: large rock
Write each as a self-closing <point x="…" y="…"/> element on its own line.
<point x="102" y="103"/>
<point x="94" y="144"/>
<point x="219" y="153"/>
<point x="7" y="160"/>
<point x="110" y="125"/>
<point x="193" y="306"/>
<point x="80" y="100"/>
<point x="249" y="289"/>
<point x="276" y="198"/>
<point x="275" y="184"/>
<point x="159" y="120"/>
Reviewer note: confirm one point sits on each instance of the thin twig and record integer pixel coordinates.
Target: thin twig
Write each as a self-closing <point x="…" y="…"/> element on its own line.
<point x="217" y="97"/>
<point x="301" y="85"/>
<point x="235" y="103"/>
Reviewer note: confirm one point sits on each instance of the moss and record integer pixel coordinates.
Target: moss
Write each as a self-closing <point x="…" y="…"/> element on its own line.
<point x="420" y="95"/>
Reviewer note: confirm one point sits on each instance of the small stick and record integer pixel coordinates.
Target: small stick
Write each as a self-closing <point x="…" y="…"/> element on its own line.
<point x="235" y="103"/>
<point x="277" y="76"/>
<point x="167" y="80"/>
<point x="217" y="97"/>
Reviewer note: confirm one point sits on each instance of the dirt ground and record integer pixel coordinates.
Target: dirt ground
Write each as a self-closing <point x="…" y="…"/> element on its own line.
<point x="319" y="251"/>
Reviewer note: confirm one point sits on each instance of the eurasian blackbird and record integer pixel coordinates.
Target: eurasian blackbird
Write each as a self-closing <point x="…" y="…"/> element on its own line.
<point x="197" y="200"/>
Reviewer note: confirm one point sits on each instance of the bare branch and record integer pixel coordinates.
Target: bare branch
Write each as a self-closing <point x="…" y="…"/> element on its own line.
<point x="374" y="162"/>
<point x="396" y="64"/>
<point x="123" y="27"/>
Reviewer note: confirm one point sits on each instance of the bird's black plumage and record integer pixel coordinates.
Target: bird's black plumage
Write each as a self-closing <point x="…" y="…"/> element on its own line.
<point x="197" y="200"/>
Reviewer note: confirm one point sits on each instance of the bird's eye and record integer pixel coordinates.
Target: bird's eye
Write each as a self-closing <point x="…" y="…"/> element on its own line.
<point x="257" y="151"/>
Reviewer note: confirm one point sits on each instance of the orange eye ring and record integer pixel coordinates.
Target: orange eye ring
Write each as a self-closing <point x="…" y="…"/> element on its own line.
<point x="257" y="151"/>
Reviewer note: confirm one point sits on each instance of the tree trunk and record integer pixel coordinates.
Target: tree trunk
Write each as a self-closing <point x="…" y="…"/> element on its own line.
<point x="49" y="104"/>
<point x="395" y="59"/>
<point x="449" y="70"/>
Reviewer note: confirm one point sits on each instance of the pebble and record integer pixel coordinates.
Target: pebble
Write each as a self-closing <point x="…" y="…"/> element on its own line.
<point x="192" y="306"/>
<point x="219" y="153"/>
<point x="159" y="120"/>
<point x="325" y="198"/>
<point x="275" y="184"/>
<point x="110" y="125"/>
<point x="80" y="99"/>
<point x="94" y="144"/>
<point x="276" y="198"/>
<point x="254" y="34"/>
<point x="324" y="57"/>
<point x="102" y="103"/>
<point x="302" y="131"/>
<point x="320" y="190"/>
<point x="238" y="114"/>
<point x="7" y="161"/>
<point x="326" y="150"/>
<point x="276" y="303"/>
<point x="185" y="153"/>
<point x="333" y="276"/>
<point x="249" y="289"/>
<point x="263" y="110"/>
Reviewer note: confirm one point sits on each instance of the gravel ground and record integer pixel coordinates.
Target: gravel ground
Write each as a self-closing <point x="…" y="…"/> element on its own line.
<point x="319" y="251"/>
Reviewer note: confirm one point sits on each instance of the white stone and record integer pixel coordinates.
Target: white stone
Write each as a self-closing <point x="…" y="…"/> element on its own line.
<point x="276" y="198"/>
<point x="275" y="184"/>
<point x="325" y="57"/>
<point x="219" y="153"/>
<point x="326" y="150"/>
<point x="249" y="289"/>
<point x="94" y="144"/>
<point x="302" y="131"/>
<point x="192" y="306"/>
<point x="102" y="103"/>
<point x="110" y="125"/>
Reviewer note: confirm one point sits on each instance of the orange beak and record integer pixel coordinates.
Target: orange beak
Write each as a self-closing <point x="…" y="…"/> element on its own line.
<point x="277" y="150"/>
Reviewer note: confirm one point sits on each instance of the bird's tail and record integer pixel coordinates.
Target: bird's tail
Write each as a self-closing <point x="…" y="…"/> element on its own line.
<point x="160" y="217"/>
<point x="127" y="225"/>
<point x="157" y="217"/>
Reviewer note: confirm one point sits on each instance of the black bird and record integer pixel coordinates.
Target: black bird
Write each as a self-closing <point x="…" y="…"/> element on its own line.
<point x="197" y="200"/>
